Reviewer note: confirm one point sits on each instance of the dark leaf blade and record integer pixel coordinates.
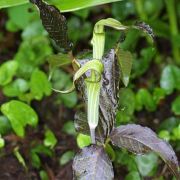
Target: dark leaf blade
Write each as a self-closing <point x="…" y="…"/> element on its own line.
<point x="109" y="92"/>
<point x="92" y="163"/>
<point x="55" y="24"/>
<point x="141" y="140"/>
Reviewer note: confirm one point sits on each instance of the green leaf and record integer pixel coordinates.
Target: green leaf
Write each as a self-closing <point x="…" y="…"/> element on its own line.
<point x="147" y="164"/>
<point x="31" y="54"/>
<point x="125" y="109"/>
<point x="125" y="63"/>
<point x="83" y="30"/>
<point x="176" y="106"/>
<point x="144" y="98"/>
<point x="69" y="100"/>
<point x="176" y="133"/>
<point x="43" y="175"/>
<point x="66" y="157"/>
<point x="134" y="175"/>
<point x="17" y="20"/>
<point x="16" y="88"/>
<point x="170" y="78"/>
<point x="169" y="124"/>
<point x="69" y="128"/>
<point x="158" y="94"/>
<point x="50" y="139"/>
<point x="7" y="71"/>
<point x="33" y="29"/>
<point x="40" y="85"/>
<point x="9" y="3"/>
<point x="19" y="115"/>
<point x="127" y="101"/>
<point x="121" y="10"/>
<point x="2" y="142"/>
<point x="35" y="160"/>
<point x="63" y="5"/>
<point x="19" y="157"/>
<point x="83" y="140"/>
<point x="164" y="134"/>
<point x="5" y="125"/>
<point x="58" y="60"/>
<point x="142" y="64"/>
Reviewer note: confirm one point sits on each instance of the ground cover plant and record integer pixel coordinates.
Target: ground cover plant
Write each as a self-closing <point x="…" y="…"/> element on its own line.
<point x="97" y="77"/>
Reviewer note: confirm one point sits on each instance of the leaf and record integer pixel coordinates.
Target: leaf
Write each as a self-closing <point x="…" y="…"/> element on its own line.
<point x="176" y="106"/>
<point x="170" y="78"/>
<point x="58" y="60"/>
<point x="125" y="109"/>
<point x="32" y="53"/>
<point x="17" y="20"/>
<point x="7" y="71"/>
<point x="39" y="85"/>
<point x="54" y="23"/>
<point x="66" y="157"/>
<point x="133" y="175"/>
<point x="19" y="115"/>
<point x="50" y="139"/>
<point x="2" y="142"/>
<point x="143" y="97"/>
<point x="16" y="88"/>
<point x="9" y="3"/>
<point x="125" y="64"/>
<point x="69" y="128"/>
<point x="83" y="140"/>
<point x="158" y="94"/>
<point x="142" y="64"/>
<point x="121" y="10"/>
<point x="141" y="140"/>
<point x="92" y="163"/>
<point x="63" y="5"/>
<point x="147" y="164"/>
<point x="5" y="125"/>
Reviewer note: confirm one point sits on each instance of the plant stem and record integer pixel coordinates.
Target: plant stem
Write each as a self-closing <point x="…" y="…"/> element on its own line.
<point x="170" y="6"/>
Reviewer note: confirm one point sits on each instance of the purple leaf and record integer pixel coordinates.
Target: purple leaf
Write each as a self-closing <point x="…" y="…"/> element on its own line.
<point x="141" y="140"/>
<point x="54" y="23"/>
<point x="92" y="163"/>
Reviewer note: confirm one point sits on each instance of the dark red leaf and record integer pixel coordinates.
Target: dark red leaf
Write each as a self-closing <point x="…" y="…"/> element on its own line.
<point x="92" y="163"/>
<point x="141" y="140"/>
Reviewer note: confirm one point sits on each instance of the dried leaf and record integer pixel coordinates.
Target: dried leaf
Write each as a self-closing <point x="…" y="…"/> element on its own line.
<point x="141" y="140"/>
<point x="92" y="163"/>
<point x="54" y="23"/>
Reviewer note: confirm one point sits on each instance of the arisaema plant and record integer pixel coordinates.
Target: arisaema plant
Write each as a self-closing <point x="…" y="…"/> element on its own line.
<point x="98" y="80"/>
